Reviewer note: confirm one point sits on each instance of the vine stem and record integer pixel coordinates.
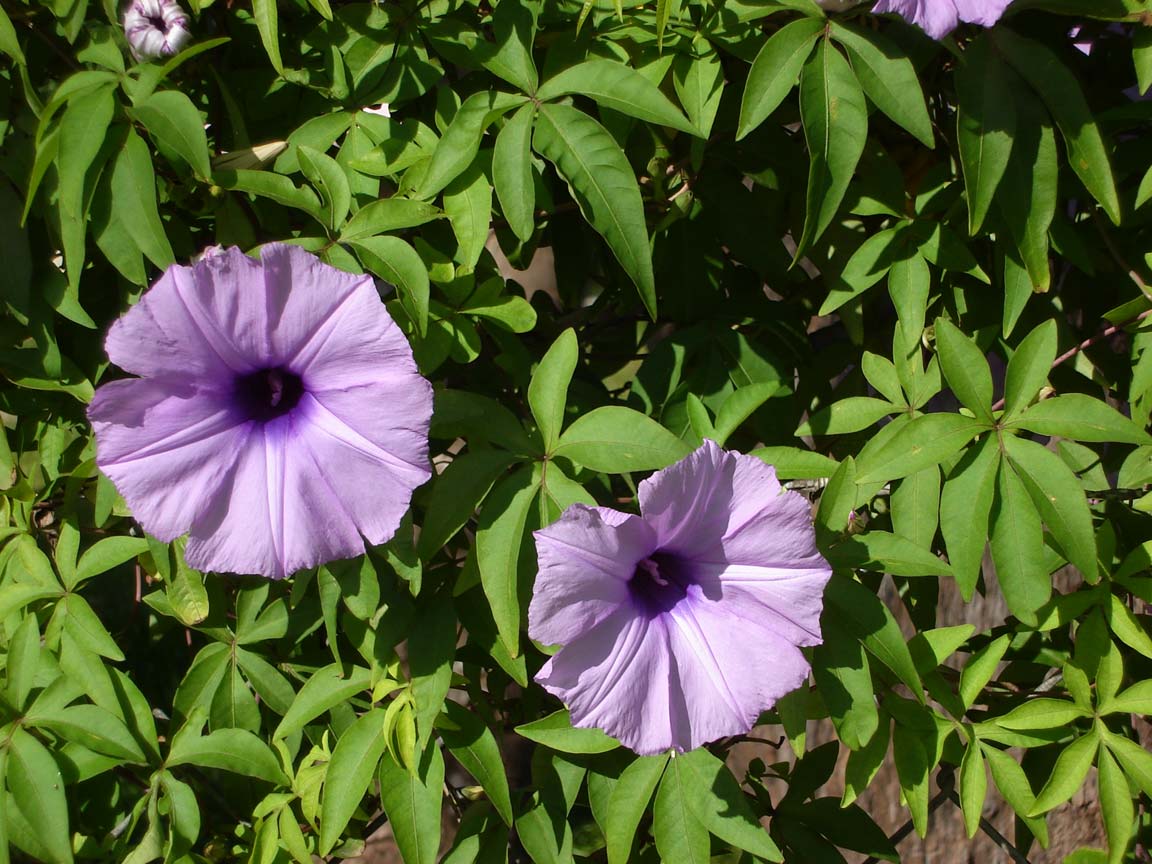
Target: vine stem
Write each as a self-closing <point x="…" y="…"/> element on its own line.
<point x="1088" y="343"/>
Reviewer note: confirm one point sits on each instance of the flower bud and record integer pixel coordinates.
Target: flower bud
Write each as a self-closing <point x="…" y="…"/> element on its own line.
<point x="155" y="28"/>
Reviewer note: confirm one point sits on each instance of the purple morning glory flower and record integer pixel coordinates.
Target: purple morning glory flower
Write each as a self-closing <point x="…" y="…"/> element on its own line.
<point x="155" y="28"/>
<point x="278" y="415"/>
<point x="938" y="18"/>
<point x="681" y="625"/>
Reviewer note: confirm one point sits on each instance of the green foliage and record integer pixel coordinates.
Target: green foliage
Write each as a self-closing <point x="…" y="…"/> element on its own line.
<point x="913" y="276"/>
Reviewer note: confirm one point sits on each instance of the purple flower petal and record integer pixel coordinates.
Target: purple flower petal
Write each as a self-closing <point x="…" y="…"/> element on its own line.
<point x="587" y="558"/>
<point x="937" y="18"/>
<point x="619" y="677"/>
<point x="984" y="12"/>
<point x="167" y="446"/>
<point x="280" y="416"/>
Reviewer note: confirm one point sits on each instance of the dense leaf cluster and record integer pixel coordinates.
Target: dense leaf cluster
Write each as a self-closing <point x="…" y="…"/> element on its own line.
<point x="912" y="275"/>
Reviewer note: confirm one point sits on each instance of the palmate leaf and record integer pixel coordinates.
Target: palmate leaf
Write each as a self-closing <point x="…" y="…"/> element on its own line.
<point x="835" y="120"/>
<point x="601" y="180"/>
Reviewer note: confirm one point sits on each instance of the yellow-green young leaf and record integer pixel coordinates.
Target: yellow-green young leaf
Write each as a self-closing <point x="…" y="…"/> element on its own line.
<point x="615" y="439"/>
<point x="888" y="78"/>
<point x="630" y="797"/>
<point x="499" y="534"/>
<point x="1059" y="498"/>
<point x="1042" y="714"/>
<point x="1115" y="805"/>
<point x="1060" y="91"/>
<point x="775" y="71"/>
<point x="679" y="833"/>
<point x="350" y="770"/>
<point x="548" y="389"/>
<point x="412" y="801"/>
<point x="973" y="787"/>
<point x="614" y="85"/>
<point x="985" y="126"/>
<point x="835" y="120"/>
<point x="1018" y="547"/>
<point x="965" y="369"/>
<point x="1028" y="369"/>
<point x="512" y="172"/>
<point x="1067" y="774"/>
<point x="601" y="180"/>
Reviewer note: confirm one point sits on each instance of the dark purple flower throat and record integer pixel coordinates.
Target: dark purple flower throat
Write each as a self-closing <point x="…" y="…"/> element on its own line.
<point x="269" y="393"/>
<point x="659" y="583"/>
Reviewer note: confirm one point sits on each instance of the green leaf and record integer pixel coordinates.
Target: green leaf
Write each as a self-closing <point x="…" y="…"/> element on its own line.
<point x="872" y="259"/>
<point x="915" y="507"/>
<point x="1013" y="785"/>
<point x="925" y="441"/>
<point x="1127" y="627"/>
<point x="909" y="284"/>
<point x="614" y="85"/>
<point x="842" y="675"/>
<point x="474" y="746"/>
<point x="1136" y="761"/>
<point x="92" y="727"/>
<point x="350" y="770"/>
<point x="720" y="804"/>
<point x="456" y="493"/>
<point x="980" y="668"/>
<point x="838" y="500"/>
<point x="864" y="763"/>
<point x="985" y="126"/>
<point x="330" y="181"/>
<point x="741" y="405"/>
<point x="615" y="439"/>
<point x="872" y="622"/>
<point x="83" y="624"/>
<point x="699" y="82"/>
<point x="37" y="788"/>
<point x="412" y="802"/>
<point x="268" y="23"/>
<point x="796" y="463"/>
<point x="965" y="368"/>
<point x="1018" y="547"/>
<point x="1115" y="805"/>
<point x="105" y="555"/>
<point x="512" y="172"/>
<point x="851" y="414"/>
<point x="548" y="389"/>
<point x="556" y="731"/>
<point x="461" y="141"/>
<point x="1028" y="369"/>
<point x="468" y="205"/>
<point x="1042" y="714"/>
<point x="388" y="215"/>
<point x="888" y="78"/>
<point x="887" y="553"/>
<point x="965" y="509"/>
<point x="680" y="835"/>
<point x="1142" y="58"/>
<point x="1061" y="93"/>
<point x="775" y="71"/>
<point x="1059" y="498"/>
<point x="914" y="767"/>
<point x="1081" y="418"/>
<point x="835" y="121"/>
<point x="275" y="187"/>
<point x="630" y="797"/>
<point x="325" y="689"/>
<point x="173" y="121"/>
<point x="1067" y="774"/>
<point x="509" y="56"/>
<point x="10" y="45"/>
<point x="396" y="262"/>
<point x="23" y="661"/>
<point x="235" y="750"/>
<point x="499" y="534"/>
<point x="973" y="788"/>
<point x="432" y="647"/>
<point x="600" y="178"/>
<point x="134" y="191"/>
<point x="1137" y="699"/>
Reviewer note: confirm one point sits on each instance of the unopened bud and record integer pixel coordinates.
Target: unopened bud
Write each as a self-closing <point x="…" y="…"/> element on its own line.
<point x="155" y="28"/>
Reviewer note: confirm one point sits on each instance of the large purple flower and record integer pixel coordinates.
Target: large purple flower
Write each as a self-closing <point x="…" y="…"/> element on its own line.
<point x="938" y="18"/>
<point x="681" y="625"/>
<point x="279" y="414"/>
<point x="155" y="28"/>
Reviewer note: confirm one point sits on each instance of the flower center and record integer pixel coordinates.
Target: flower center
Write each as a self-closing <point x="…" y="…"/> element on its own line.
<point x="659" y="582"/>
<point x="269" y="393"/>
<point x="158" y="22"/>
